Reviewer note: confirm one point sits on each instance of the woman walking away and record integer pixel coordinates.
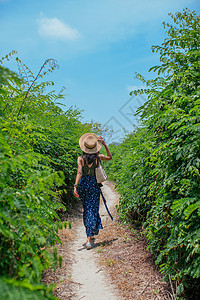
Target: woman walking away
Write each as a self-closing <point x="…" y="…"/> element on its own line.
<point x="89" y="189"/>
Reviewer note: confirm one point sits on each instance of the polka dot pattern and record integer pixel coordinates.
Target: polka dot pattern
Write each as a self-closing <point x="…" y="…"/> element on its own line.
<point x="89" y="193"/>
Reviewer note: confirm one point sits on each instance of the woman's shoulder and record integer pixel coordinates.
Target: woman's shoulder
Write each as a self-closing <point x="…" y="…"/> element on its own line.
<point x="80" y="160"/>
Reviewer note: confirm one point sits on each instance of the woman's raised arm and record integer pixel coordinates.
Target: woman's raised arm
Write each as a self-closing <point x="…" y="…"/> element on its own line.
<point x="101" y="156"/>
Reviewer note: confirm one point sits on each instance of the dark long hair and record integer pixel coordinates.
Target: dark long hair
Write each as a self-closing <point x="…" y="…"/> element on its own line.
<point x="90" y="158"/>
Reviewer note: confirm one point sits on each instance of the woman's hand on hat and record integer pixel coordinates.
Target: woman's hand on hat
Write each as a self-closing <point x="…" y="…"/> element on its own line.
<point x="101" y="140"/>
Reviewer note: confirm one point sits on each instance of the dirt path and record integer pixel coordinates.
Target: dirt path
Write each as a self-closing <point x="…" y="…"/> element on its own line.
<point x="92" y="282"/>
<point x="117" y="267"/>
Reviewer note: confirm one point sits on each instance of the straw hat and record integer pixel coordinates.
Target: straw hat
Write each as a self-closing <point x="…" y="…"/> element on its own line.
<point x="88" y="142"/>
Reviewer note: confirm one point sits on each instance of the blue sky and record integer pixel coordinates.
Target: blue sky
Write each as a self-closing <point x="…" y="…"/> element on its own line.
<point x="98" y="44"/>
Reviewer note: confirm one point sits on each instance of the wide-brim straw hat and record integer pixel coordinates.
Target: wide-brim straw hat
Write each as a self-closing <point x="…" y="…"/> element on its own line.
<point x="89" y="143"/>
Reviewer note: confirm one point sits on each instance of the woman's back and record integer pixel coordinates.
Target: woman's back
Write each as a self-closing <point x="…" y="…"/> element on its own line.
<point x="89" y="169"/>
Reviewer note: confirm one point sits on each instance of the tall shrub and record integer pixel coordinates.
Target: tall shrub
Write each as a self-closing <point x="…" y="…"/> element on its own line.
<point x="38" y="158"/>
<point x="163" y="188"/>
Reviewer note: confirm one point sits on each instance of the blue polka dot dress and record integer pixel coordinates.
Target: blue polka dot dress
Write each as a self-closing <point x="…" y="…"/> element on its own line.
<point x="89" y="193"/>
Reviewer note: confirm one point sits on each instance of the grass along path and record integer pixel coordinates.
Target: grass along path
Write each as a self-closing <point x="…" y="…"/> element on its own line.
<point x="123" y="255"/>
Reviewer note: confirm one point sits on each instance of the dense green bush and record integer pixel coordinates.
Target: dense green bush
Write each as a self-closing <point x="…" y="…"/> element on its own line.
<point x="38" y="160"/>
<point x="157" y="167"/>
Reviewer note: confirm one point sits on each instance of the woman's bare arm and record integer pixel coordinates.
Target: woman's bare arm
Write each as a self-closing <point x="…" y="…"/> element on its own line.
<point x="78" y="175"/>
<point x="108" y="156"/>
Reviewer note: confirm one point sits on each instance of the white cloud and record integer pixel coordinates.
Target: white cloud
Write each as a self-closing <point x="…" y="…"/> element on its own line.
<point x="56" y="29"/>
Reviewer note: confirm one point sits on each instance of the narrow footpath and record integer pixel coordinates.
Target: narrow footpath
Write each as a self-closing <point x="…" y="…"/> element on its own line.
<point x="90" y="279"/>
<point x="117" y="267"/>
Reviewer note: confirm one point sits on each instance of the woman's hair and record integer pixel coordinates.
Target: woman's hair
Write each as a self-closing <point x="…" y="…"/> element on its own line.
<point x="90" y="158"/>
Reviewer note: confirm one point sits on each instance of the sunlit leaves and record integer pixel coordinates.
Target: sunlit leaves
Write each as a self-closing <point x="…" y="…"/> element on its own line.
<point x="157" y="167"/>
<point x="38" y="153"/>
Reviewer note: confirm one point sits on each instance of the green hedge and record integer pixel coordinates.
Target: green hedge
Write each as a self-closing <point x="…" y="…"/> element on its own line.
<point x="157" y="167"/>
<point x="38" y="153"/>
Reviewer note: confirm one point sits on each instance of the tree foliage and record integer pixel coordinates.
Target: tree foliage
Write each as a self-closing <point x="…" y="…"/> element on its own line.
<point x="38" y="160"/>
<point x="157" y="166"/>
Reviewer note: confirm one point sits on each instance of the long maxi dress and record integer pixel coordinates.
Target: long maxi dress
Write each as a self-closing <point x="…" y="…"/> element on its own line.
<point x="89" y="193"/>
